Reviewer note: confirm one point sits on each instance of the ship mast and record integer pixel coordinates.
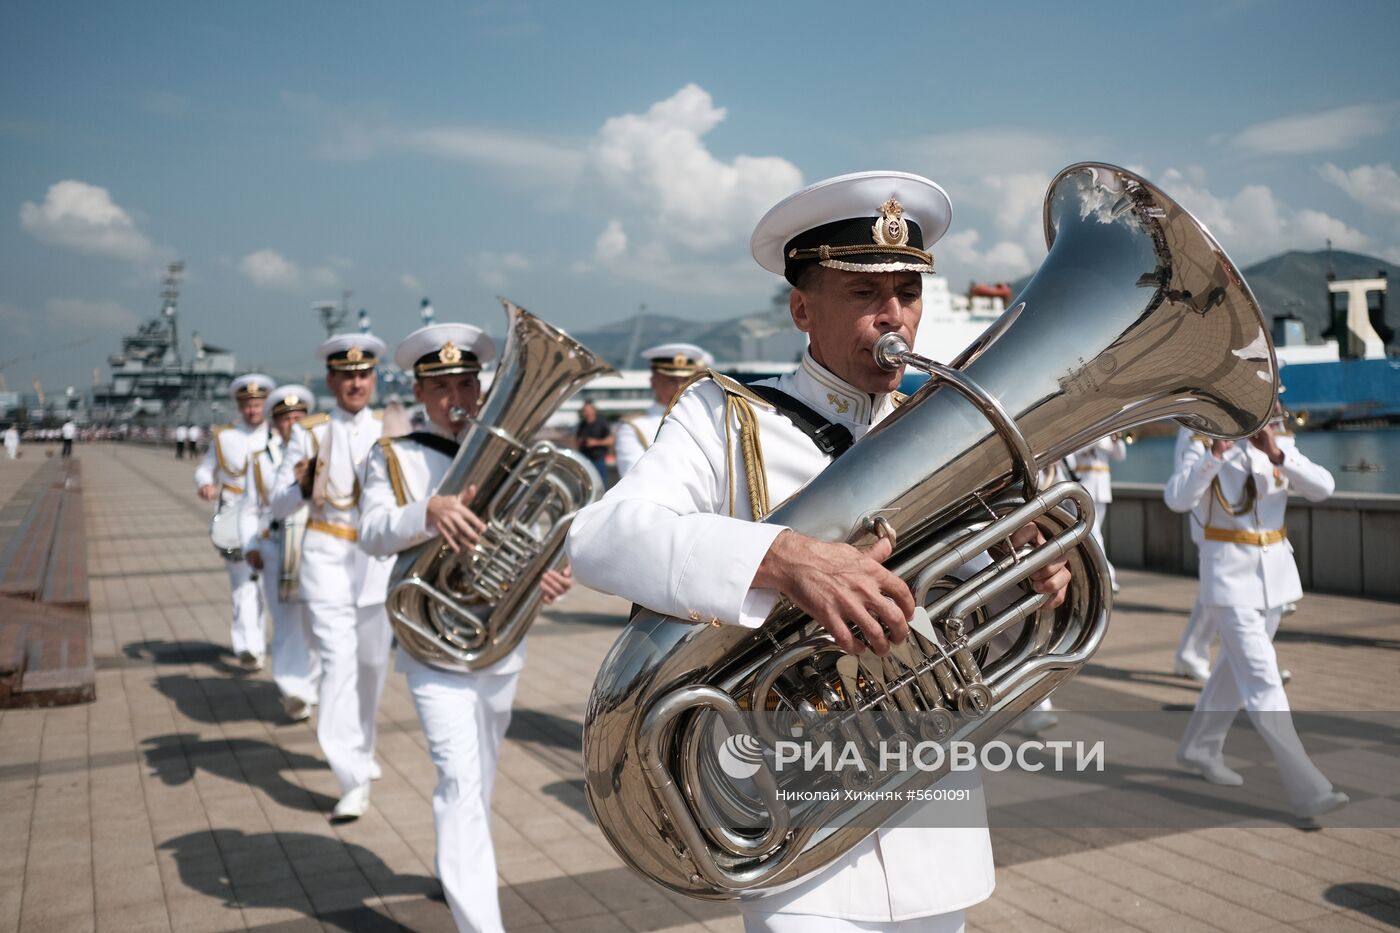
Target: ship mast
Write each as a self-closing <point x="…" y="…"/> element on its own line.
<point x="170" y="300"/>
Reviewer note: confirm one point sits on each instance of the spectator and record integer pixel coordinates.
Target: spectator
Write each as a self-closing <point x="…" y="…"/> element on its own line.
<point x="594" y="438"/>
<point x="68" y="432"/>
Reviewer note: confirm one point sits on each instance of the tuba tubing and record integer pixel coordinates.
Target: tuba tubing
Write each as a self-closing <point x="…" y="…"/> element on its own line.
<point x="1135" y="315"/>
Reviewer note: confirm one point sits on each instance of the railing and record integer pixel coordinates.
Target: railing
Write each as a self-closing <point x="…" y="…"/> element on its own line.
<point x="1347" y="544"/>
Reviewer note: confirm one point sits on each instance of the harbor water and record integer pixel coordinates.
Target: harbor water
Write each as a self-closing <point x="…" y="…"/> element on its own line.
<point x="1150" y="458"/>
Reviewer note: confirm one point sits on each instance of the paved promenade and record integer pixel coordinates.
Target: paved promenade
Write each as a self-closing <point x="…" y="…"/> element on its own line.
<point x="183" y="800"/>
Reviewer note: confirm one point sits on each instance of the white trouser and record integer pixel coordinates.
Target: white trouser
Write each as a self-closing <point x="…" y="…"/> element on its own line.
<point x="354" y="647"/>
<point x="11" y="451"/>
<point x="1101" y="510"/>
<point x="464" y="718"/>
<point x="296" y="668"/>
<point x="248" y="632"/>
<point x="759" y="922"/>
<point x="1247" y="675"/>
<point x="1193" y="651"/>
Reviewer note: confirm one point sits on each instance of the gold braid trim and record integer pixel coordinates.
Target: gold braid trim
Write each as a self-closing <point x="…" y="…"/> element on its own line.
<point x="739" y="407"/>
<point x="258" y="478"/>
<point x="1250" y="495"/>
<point x="219" y="452"/>
<point x="395" y="469"/>
<point x="641" y="435"/>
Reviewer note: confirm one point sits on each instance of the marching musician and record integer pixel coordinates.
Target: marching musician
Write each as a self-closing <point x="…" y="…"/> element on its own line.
<point x="1237" y="493"/>
<point x="221" y="477"/>
<point x="1192" y="659"/>
<point x="344" y="587"/>
<point x="672" y="364"/>
<point x="296" y="668"/>
<point x="1090" y="468"/>
<point x="464" y="713"/>
<point x="853" y="249"/>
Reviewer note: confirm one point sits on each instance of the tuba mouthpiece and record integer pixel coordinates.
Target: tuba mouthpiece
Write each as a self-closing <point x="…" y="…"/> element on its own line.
<point x="889" y="351"/>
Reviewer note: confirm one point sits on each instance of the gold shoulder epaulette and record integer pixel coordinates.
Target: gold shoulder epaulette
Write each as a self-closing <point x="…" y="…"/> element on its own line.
<point x="729" y="386"/>
<point x="395" y="470"/>
<point x="378" y="414"/>
<point x="314" y="421"/>
<point x="222" y="428"/>
<point x="1202" y="439"/>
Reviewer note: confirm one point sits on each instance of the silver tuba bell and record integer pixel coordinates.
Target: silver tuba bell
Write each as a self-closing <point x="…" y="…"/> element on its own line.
<point x="471" y="609"/>
<point x="1136" y="315"/>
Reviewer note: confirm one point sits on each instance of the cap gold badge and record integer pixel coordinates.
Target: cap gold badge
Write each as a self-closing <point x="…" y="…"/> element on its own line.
<point x="355" y="354"/>
<point x="890" y="229"/>
<point x="449" y="353"/>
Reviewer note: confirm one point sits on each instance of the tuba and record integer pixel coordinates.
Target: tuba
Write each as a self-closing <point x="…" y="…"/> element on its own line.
<point x="472" y="608"/>
<point x="1136" y="315"/>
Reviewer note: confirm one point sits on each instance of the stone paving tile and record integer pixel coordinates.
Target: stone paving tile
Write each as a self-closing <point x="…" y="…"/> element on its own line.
<point x="183" y="800"/>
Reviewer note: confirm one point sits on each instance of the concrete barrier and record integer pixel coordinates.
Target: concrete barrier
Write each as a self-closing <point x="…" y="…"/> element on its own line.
<point x="1347" y="545"/>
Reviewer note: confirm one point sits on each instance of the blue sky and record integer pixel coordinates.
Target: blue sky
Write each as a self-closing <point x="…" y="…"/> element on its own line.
<point x="583" y="159"/>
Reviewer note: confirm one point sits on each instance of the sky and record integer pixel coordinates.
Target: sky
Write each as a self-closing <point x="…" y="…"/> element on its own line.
<point x="585" y="160"/>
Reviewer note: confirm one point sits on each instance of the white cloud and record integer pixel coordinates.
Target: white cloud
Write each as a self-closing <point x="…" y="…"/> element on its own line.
<point x="411" y="283"/>
<point x="1375" y="187"/>
<point x="1002" y="262"/>
<point x="268" y="268"/>
<point x="1325" y="131"/>
<point x="496" y="270"/>
<point x="611" y="244"/>
<point x="1253" y="223"/>
<point x="658" y="163"/>
<point x="83" y="217"/>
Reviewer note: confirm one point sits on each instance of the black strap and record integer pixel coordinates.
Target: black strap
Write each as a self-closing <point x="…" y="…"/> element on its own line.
<point x="831" y="439"/>
<point x="442" y="445"/>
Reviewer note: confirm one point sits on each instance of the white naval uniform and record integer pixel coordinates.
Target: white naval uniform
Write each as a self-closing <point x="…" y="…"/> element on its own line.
<point x="464" y="714"/>
<point x="225" y="466"/>
<point x="635" y="434"/>
<point x="343" y="586"/>
<point x="11" y="443"/>
<point x="1246" y="579"/>
<point x="1091" y="467"/>
<point x="296" y="667"/>
<point x="685" y="510"/>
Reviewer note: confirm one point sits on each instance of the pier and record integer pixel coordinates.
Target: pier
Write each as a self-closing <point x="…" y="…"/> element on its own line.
<point x="180" y="798"/>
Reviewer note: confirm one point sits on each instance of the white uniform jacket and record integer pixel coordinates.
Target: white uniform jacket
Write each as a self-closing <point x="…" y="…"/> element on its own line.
<point x="635" y="434"/>
<point x="1245" y="560"/>
<point x="225" y="463"/>
<point x="334" y="569"/>
<point x="256" y="518"/>
<point x="1091" y="465"/>
<point x="401" y="476"/>
<point x="687" y="510"/>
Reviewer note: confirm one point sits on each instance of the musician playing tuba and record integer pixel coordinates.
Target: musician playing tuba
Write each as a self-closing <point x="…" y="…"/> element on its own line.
<point x="679" y="534"/>
<point x="272" y="547"/>
<point x="464" y="713"/>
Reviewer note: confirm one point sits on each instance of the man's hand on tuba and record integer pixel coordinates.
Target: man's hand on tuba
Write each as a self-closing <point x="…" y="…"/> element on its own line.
<point x="840" y="586"/>
<point x="450" y="517"/>
<point x="1052" y="578"/>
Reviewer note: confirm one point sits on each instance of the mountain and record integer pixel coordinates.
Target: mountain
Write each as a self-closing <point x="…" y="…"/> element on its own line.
<point x="1296" y="283"/>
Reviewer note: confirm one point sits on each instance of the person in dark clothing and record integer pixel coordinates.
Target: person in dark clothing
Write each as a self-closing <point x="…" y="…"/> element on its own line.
<point x="594" y="438"/>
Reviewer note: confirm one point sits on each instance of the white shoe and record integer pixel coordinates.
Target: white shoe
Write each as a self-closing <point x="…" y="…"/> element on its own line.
<point x="1213" y="771"/>
<point x="1332" y="800"/>
<point x="1190" y="671"/>
<point x="1036" y="721"/>
<point x="249" y="662"/>
<point x="375" y="772"/>
<point x="353" y="805"/>
<point x="1284" y="674"/>
<point x="297" y="709"/>
<point x="1116" y="587"/>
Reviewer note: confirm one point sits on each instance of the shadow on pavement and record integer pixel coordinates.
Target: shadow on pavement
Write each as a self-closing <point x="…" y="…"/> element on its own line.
<point x="1377" y="901"/>
<point x="324" y="878"/>
<point x="176" y="758"/>
<point x="160" y="651"/>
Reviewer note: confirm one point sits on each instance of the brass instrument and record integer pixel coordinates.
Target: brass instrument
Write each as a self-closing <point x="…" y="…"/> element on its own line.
<point x="471" y="609"/>
<point x="290" y="531"/>
<point x="1136" y="315"/>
